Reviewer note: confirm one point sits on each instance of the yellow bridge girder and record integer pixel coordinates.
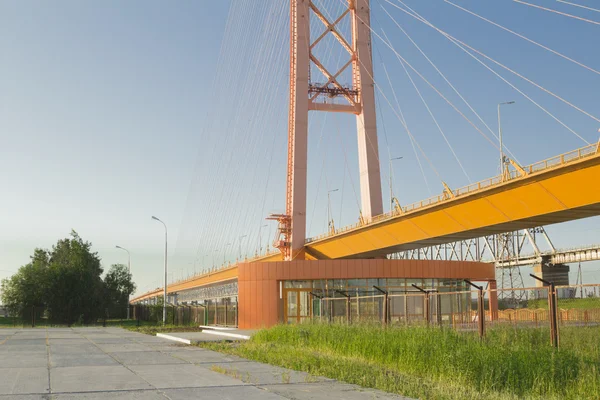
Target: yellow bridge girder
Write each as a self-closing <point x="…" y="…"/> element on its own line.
<point x="561" y="189"/>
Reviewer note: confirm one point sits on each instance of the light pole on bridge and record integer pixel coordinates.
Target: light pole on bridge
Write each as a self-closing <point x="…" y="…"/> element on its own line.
<point x="502" y="161"/>
<point x="392" y="182"/>
<point x="165" y="287"/>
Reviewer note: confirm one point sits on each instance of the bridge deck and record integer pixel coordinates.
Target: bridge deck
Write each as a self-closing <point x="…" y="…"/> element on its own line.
<point x="560" y="189"/>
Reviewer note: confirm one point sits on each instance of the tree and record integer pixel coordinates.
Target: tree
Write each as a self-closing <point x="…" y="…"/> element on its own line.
<point x="65" y="282"/>
<point x="27" y="288"/>
<point x="74" y="284"/>
<point x="118" y="286"/>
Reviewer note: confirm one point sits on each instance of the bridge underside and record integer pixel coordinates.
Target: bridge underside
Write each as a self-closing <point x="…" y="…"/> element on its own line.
<point x="560" y="194"/>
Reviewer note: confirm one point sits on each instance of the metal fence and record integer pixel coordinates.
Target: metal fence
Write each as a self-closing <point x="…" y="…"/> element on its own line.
<point x="476" y="310"/>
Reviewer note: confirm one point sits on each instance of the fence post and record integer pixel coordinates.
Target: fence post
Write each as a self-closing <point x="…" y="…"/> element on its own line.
<point x="480" y="308"/>
<point x="173" y="314"/>
<point x="320" y="306"/>
<point x="427" y="313"/>
<point x="32" y="316"/>
<point x="552" y="308"/>
<point x="348" y="313"/>
<point x="385" y="305"/>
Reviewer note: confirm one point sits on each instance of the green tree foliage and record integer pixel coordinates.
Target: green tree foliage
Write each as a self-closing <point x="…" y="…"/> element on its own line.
<point x="66" y="283"/>
<point x="118" y="286"/>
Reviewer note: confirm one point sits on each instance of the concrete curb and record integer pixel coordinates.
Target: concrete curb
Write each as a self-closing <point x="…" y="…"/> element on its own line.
<point x="226" y="334"/>
<point x="174" y="338"/>
<point x="216" y="328"/>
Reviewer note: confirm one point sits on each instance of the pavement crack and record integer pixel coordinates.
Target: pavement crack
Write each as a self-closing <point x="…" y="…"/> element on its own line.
<point x="49" y="361"/>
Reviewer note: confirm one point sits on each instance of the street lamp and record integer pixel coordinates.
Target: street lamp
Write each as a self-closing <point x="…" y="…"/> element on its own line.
<point x="330" y="224"/>
<point x="502" y="162"/>
<point x="224" y="250"/>
<point x="240" y="246"/>
<point x="260" y="238"/>
<point x="165" y="289"/>
<point x="128" y="270"/>
<point x="392" y="182"/>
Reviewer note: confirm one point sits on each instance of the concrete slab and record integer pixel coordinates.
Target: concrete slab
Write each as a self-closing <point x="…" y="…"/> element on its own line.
<point x="9" y="347"/>
<point x="126" y="395"/>
<point x="74" y="348"/>
<point x="110" y="340"/>
<point x="119" y="348"/>
<point x="23" y="381"/>
<point x="223" y="393"/>
<point x="263" y="374"/>
<point x="204" y="356"/>
<point x="80" y="360"/>
<point x="328" y="391"/>
<point x="95" y="379"/>
<point x="23" y="360"/>
<point x="152" y="368"/>
<point x="146" y="358"/>
<point x="182" y="375"/>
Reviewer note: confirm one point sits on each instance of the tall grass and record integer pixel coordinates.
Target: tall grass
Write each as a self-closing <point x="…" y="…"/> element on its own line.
<point x="438" y="363"/>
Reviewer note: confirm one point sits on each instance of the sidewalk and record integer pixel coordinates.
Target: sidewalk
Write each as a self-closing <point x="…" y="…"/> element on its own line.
<point x="112" y="363"/>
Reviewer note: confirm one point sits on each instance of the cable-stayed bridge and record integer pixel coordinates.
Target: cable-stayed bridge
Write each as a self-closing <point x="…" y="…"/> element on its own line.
<point x="482" y="216"/>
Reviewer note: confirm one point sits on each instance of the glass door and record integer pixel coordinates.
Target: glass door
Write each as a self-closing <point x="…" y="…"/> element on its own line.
<point x="297" y="305"/>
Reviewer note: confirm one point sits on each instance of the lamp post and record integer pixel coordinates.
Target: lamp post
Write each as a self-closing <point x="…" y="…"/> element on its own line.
<point x="224" y="251"/>
<point x="165" y="288"/>
<point x="259" y="249"/>
<point x="500" y="138"/>
<point x="240" y="246"/>
<point x="128" y="270"/>
<point x="392" y="182"/>
<point x="330" y="224"/>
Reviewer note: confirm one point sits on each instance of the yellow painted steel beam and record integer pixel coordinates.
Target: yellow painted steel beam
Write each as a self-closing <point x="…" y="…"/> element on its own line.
<point x="561" y="189"/>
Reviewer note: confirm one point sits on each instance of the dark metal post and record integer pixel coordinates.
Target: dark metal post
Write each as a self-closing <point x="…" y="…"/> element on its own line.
<point x="554" y="334"/>
<point x="33" y="316"/>
<point x="480" y="308"/>
<point x="320" y="306"/>
<point x="427" y="313"/>
<point x="348" y="314"/>
<point x="386" y="313"/>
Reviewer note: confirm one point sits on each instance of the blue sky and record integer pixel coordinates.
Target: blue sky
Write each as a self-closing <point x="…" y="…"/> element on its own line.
<point x="113" y="111"/>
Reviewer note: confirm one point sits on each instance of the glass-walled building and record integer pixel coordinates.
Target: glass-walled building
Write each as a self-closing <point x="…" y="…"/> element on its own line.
<point x="262" y="294"/>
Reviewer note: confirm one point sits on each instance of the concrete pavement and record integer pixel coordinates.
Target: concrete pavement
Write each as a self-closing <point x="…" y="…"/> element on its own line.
<point x="112" y="363"/>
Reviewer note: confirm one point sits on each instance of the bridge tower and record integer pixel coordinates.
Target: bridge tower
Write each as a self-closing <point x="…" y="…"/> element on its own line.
<point x="306" y="95"/>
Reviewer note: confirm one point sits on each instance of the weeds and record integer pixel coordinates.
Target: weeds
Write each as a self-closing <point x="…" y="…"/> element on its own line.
<point x="437" y="363"/>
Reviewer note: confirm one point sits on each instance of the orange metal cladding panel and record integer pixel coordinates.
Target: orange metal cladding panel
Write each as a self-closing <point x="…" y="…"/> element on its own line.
<point x="272" y="271"/>
<point x="259" y="271"/>
<point x="517" y="200"/>
<point x="344" y="268"/>
<point x="265" y="300"/>
<point x="242" y="303"/>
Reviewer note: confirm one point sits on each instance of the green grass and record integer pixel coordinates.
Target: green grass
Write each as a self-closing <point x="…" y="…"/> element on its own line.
<point x="437" y="363"/>
<point x="587" y="303"/>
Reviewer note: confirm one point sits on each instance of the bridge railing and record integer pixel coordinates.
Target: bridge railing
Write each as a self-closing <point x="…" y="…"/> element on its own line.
<point x="537" y="167"/>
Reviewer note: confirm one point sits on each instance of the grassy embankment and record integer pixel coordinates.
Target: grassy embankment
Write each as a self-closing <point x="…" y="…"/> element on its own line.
<point x="437" y="363"/>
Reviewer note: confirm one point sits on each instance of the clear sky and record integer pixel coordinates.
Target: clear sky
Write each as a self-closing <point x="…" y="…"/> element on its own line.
<point x="114" y="111"/>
